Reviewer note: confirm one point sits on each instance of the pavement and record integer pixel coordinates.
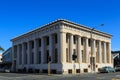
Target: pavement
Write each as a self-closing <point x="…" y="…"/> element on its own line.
<point x="81" y="76"/>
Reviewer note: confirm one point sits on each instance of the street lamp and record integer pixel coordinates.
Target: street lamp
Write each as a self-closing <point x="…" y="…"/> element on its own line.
<point x="92" y="59"/>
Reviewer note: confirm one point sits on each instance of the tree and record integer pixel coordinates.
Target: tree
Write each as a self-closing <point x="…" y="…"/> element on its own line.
<point x="1" y="49"/>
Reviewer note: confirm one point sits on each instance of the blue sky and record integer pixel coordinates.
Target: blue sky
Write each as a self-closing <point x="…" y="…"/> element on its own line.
<point x="20" y="16"/>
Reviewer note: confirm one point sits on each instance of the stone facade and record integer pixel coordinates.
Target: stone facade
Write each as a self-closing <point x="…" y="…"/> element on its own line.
<point x="60" y="39"/>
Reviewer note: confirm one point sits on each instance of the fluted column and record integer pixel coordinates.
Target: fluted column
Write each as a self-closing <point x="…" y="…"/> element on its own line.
<point x="86" y="49"/>
<point x="13" y="56"/>
<point x="23" y="50"/>
<point x="62" y="49"/>
<point x="100" y="54"/>
<point x="110" y="57"/>
<point x="50" y="47"/>
<point x="93" y="48"/>
<point x="42" y="49"/>
<point x="35" y="51"/>
<point x="71" y="47"/>
<point x="79" y="50"/>
<point x="28" y="53"/>
<point x="18" y="57"/>
<point x="105" y="52"/>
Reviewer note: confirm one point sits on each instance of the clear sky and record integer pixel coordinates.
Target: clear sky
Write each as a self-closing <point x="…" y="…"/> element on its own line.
<point x="20" y="16"/>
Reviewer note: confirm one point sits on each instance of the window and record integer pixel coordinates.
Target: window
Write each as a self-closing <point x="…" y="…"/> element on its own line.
<point x="83" y="57"/>
<point x="32" y="58"/>
<point x="67" y="56"/>
<point x="97" y="44"/>
<point x="67" y="38"/>
<point x="26" y="46"/>
<point x="82" y="40"/>
<point x="74" y="39"/>
<point x="56" y="38"/>
<point x="39" y="41"/>
<point x="32" y="44"/>
<point x="47" y="40"/>
<point x="47" y="56"/>
<point x="39" y="57"/>
<point x="97" y="57"/>
<point x="56" y="55"/>
<point x="89" y="42"/>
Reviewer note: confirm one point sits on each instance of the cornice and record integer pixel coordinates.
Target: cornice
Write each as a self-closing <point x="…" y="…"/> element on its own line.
<point x="62" y="22"/>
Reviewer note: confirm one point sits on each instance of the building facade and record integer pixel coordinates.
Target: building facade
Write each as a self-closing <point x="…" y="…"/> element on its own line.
<point x="116" y="58"/>
<point x="60" y="39"/>
<point x="7" y="58"/>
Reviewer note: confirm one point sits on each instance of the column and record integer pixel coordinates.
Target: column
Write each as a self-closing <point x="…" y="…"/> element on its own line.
<point x="28" y="53"/>
<point x="42" y="50"/>
<point x="86" y="49"/>
<point x="62" y="48"/>
<point x="93" y="48"/>
<point x="13" y="54"/>
<point x="23" y="50"/>
<point x="50" y="47"/>
<point x="79" y="50"/>
<point x="71" y="47"/>
<point x="110" y="55"/>
<point x="35" y="51"/>
<point x="105" y="52"/>
<point x="18" y="57"/>
<point x="100" y="53"/>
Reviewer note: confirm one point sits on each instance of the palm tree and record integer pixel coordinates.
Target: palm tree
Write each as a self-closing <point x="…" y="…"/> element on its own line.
<point x="1" y="49"/>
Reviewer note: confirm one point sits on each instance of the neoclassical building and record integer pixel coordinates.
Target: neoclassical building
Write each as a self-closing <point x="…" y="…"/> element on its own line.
<point x="60" y="39"/>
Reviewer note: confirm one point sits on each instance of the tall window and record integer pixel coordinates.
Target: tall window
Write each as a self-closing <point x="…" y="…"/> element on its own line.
<point x="47" y="40"/>
<point x="97" y="44"/>
<point x="89" y="42"/>
<point x="56" y="40"/>
<point x="83" y="56"/>
<point x="67" y="38"/>
<point x="26" y="46"/>
<point x="67" y="55"/>
<point x="39" y="57"/>
<point x="32" y="58"/>
<point x="74" y="39"/>
<point x="47" y="56"/>
<point x="74" y="51"/>
<point x="56" y="55"/>
<point x="32" y="44"/>
<point x="97" y="57"/>
<point x="25" y="58"/>
<point x="39" y="41"/>
<point x="15" y="51"/>
<point x="82" y="41"/>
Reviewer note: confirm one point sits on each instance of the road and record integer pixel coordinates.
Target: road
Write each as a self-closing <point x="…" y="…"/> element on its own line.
<point x="82" y="76"/>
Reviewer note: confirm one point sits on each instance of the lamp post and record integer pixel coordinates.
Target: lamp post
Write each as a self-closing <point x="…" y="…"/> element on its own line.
<point x="92" y="59"/>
